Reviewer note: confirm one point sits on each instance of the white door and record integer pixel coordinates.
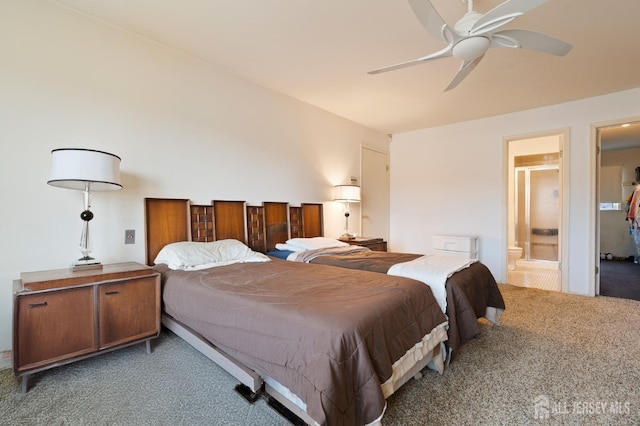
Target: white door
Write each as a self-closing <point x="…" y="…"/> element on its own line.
<point x="375" y="193"/>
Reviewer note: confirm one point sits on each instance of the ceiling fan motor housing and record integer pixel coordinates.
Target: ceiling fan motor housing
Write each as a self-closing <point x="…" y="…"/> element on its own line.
<point x="464" y="24"/>
<point x="470" y="48"/>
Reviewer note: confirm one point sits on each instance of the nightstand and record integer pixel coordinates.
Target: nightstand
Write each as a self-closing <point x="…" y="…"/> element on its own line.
<point x="375" y="244"/>
<point x="60" y="316"/>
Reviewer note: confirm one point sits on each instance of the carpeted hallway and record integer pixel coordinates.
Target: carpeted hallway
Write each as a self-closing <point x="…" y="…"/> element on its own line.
<point x="556" y="359"/>
<point x="619" y="278"/>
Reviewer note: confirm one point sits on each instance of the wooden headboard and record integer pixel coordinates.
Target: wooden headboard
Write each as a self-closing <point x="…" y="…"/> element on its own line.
<point x="169" y="220"/>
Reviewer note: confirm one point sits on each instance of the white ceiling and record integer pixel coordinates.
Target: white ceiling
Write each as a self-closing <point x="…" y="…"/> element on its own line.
<point x="619" y="137"/>
<point x="320" y="51"/>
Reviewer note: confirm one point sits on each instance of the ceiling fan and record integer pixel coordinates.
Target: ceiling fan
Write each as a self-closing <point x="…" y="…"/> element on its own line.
<point x="475" y="33"/>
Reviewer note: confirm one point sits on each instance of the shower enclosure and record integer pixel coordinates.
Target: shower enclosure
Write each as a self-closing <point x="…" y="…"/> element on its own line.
<point x="537" y="211"/>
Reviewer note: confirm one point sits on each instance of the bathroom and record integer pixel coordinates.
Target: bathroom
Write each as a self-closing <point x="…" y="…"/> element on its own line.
<point x="535" y="212"/>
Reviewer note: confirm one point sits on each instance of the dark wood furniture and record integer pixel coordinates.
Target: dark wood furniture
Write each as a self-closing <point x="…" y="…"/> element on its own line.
<point x="259" y="227"/>
<point x="62" y="316"/>
<point x="375" y="244"/>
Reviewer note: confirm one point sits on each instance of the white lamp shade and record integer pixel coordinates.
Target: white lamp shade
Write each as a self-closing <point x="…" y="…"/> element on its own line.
<point x="72" y="168"/>
<point x="346" y="193"/>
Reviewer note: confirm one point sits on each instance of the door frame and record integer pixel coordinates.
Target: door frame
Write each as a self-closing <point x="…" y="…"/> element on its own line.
<point x="563" y="234"/>
<point x="595" y="147"/>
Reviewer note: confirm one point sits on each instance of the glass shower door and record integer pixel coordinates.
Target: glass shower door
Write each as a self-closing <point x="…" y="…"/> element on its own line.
<point x="544" y="214"/>
<point x="538" y="211"/>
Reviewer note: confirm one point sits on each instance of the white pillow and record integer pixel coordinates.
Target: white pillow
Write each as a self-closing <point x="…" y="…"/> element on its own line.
<point x="192" y="255"/>
<point x="315" y="243"/>
<point x="288" y="247"/>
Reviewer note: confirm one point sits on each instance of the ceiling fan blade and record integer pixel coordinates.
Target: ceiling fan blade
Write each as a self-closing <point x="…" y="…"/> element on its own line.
<point x="503" y="14"/>
<point x="463" y="72"/>
<point x="531" y="40"/>
<point x="436" y="55"/>
<point x="432" y="22"/>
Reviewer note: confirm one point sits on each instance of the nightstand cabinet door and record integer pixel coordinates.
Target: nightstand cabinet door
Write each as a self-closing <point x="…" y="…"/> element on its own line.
<point x="129" y="310"/>
<point x="54" y="326"/>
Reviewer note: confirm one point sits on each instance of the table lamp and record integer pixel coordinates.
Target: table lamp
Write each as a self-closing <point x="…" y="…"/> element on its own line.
<point x="85" y="170"/>
<point x="346" y="194"/>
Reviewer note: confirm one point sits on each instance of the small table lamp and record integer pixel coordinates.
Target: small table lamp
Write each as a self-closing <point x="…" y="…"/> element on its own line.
<point x="85" y="170"/>
<point x="346" y="194"/>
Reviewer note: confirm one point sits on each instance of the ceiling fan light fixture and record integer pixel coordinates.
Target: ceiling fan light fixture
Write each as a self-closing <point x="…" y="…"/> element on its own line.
<point x="470" y="48"/>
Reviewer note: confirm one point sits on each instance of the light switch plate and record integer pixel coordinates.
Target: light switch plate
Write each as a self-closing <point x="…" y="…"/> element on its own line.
<point x="130" y="236"/>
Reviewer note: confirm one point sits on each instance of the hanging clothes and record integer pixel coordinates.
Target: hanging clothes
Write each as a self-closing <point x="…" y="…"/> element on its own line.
<point x="633" y="216"/>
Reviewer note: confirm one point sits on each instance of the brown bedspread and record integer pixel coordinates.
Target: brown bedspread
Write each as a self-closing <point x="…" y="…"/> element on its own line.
<point x="469" y="291"/>
<point x="374" y="261"/>
<point x="328" y="334"/>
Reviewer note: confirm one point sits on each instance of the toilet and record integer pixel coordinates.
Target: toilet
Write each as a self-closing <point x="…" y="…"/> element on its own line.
<point x="515" y="253"/>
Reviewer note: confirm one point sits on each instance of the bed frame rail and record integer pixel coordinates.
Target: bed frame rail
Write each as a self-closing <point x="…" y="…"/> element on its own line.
<point x="246" y="376"/>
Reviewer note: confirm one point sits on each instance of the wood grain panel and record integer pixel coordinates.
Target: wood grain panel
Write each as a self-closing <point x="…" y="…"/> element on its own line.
<point x="229" y="220"/>
<point x="167" y="221"/>
<point x="255" y="228"/>
<point x="276" y="219"/>
<point x="129" y="310"/>
<point x="47" y="280"/>
<point x="260" y="227"/>
<point x="295" y="222"/>
<point x="312" y="224"/>
<point x="202" y="223"/>
<point x="54" y="326"/>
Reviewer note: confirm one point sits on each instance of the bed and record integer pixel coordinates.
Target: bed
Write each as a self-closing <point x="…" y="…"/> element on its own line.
<point x="465" y="288"/>
<point x="328" y="343"/>
<point x="470" y="292"/>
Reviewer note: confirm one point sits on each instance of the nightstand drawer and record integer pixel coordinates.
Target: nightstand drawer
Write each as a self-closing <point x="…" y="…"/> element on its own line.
<point x="380" y="246"/>
<point x="375" y="244"/>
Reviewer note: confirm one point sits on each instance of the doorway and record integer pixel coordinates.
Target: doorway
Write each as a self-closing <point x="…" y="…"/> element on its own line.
<point x="618" y="241"/>
<point x="535" y="211"/>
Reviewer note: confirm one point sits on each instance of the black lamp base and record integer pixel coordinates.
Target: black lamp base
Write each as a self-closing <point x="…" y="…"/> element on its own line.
<point x="347" y="235"/>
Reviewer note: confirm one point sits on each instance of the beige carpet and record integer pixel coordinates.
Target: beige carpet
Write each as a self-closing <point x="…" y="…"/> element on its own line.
<point x="556" y="359"/>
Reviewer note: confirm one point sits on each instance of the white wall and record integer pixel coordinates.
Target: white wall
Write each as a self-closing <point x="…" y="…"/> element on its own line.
<point x="183" y="128"/>
<point x="452" y="180"/>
